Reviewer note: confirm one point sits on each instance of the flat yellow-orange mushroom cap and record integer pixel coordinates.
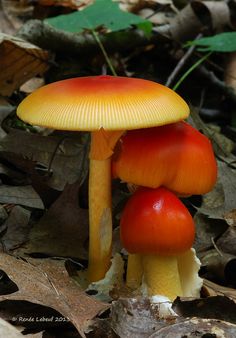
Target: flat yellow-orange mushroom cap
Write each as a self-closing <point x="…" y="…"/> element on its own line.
<point x="111" y="103"/>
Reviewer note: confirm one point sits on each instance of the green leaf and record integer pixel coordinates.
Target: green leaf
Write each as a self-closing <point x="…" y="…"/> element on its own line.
<point x="224" y="42"/>
<point x="102" y="13"/>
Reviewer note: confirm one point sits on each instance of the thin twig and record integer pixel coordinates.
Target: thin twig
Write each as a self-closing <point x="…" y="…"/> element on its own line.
<point x="108" y="61"/>
<point x="181" y="63"/>
<point x="216" y="248"/>
<point x="54" y="153"/>
<point x="190" y="70"/>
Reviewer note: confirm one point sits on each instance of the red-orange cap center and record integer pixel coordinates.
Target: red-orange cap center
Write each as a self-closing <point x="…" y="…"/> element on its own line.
<point x="155" y="221"/>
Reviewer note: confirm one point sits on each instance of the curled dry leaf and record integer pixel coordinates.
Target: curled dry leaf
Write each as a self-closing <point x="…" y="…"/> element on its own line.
<point x="46" y="282"/>
<point x="191" y="19"/>
<point x="215" y="13"/>
<point x="220" y="266"/>
<point x="20" y="61"/>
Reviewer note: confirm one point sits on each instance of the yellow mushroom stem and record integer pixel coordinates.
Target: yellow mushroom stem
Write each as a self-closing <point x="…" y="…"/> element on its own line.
<point x="100" y="219"/>
<point x="100" y="232"/>
<point x="134" y="272"/>
<point x="161" y="275"/>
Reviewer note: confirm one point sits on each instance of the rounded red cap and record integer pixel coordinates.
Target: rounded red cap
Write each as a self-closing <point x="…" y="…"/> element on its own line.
<point x="176" y="156"/>
<point x="155" y="221"/>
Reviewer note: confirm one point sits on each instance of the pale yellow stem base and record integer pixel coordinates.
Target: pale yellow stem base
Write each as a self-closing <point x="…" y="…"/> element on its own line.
<point x="161" y="276"/>
<point x="134" y="271"/>
<point x="100" y="220"/>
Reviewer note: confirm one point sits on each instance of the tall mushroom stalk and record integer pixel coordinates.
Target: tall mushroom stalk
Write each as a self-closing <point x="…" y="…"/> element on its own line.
<point x="106" y="106"/>
<point x="100" y="215"/>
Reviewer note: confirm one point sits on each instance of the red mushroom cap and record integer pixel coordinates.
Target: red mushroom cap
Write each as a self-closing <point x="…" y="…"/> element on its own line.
<point x="155" y="221"/>
<point x="176" y="156"/>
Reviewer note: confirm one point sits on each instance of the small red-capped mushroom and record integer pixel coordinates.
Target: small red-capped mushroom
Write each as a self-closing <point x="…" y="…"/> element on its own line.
<point x="157" y="226"/>
<point x="106" y="106"/>
<point x="176" y="156"/>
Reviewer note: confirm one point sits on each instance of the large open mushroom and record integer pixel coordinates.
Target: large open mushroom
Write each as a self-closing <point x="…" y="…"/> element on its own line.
<point x="106" y="106"/>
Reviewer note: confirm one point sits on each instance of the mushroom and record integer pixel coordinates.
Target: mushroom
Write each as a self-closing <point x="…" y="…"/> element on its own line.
<point x="157" y="226"/>
<point x="106" y="106"/>
<point x="176" y="156"/>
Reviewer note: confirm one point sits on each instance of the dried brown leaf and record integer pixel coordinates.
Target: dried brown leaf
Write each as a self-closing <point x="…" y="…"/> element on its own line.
<point x="17" y="226"/>
<point x="206" y="230"/>
<point x="134" y="318"/>
<point x="20" y="61"/>
<point x="197" y="327"/>
<point x="227" y="242"/>
<point x="222" y="145"/>
<point x="137" y="317"/>
<point x="25" y="195"/>
<point x="5" y="110"/>
<point x="46" y="282"/>
<point x="216" y="307"/>
<point x="220" y="266"/>
<point x="16" y="12"/>
<point x="63" y="154"/>
<point x="63" y="230"/>
<point x="212" y="289"/>
<point x="230" y="217"/>
<point x="226" y="176"/>
<point x="32" y="84"/>
<point x="230" y="70"/>
<point x="137" y="5"/>
<point x="8" y="330"/>
<point x="73" y="4"/>
<point x="12" y="15"/>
